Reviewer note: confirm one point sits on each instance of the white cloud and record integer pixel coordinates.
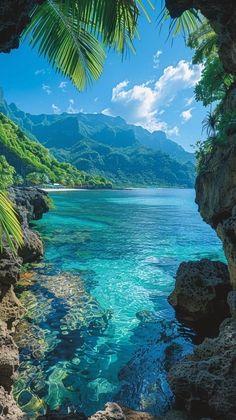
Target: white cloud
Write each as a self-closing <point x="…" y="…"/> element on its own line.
<point x="189" y="101"/>
<point x="71" y="109"/>
<point x="107" y="111"/>
<point x="62" y="86"/>
<point x="40" y="71"/>
<point x="156" y="59"/>
<point x="56" y="109"/>
<point x="186" y="115"/>
<point x="144" y="104"/>
<point x="47" y="89"/>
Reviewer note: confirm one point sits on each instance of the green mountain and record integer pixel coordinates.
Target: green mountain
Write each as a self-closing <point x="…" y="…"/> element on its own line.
<point x="108" y="146"/>
<point x="34" y="162"/>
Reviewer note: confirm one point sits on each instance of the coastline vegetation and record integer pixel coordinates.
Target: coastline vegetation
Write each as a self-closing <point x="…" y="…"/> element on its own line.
<point x="211" y="90"/>
<point x="30" y="163"/>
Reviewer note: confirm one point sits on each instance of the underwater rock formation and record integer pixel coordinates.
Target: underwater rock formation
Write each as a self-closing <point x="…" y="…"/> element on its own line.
<point x="30" y="204"/>
<point x="201" y="291"/>
<point x="113" y="411"/>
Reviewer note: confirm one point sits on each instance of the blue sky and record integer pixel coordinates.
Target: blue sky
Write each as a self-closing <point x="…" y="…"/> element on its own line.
<point x="152" y="88"/>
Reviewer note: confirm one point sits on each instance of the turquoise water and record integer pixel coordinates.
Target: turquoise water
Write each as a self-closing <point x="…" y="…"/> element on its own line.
<point x="98" y="303"/>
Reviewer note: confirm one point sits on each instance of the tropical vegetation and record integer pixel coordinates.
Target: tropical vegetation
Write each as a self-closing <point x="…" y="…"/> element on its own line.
<point x="35" y="164"/>
<point x="211" y="90"/>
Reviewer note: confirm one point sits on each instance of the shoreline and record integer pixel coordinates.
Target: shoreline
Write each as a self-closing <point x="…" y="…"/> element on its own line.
<point x="63" y="189"/>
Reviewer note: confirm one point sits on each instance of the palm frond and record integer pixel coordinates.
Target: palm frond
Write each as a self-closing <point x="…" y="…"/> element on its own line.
<point x="72" y="34"/>
<point x="209" y="124"/>
<point x="58" y="33"/>
<point x="204" y="41"/>
<point x="187" y="23"/>
<point x="9" y="224"/>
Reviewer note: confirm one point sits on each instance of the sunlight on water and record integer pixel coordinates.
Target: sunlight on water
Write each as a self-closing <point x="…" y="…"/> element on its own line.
<point x="98" y="319"/>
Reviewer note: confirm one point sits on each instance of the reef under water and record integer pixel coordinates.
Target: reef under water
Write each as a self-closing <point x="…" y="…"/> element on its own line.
<point x="98" y="325"/>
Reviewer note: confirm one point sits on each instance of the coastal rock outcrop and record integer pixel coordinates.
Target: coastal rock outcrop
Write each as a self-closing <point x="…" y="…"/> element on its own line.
<point x="30" y="204"/>
<point x="204" y="383"/>
<point x="201" y="291"/>
<point x="8" y="407"/>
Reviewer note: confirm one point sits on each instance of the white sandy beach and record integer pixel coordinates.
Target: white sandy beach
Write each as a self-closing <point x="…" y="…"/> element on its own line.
<point x="63" y="189"/>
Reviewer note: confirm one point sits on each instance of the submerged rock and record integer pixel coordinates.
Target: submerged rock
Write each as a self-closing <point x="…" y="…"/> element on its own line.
<point x="200" y="292"/>
<point x="204" y="383"/>
<point x="112" y="411"/>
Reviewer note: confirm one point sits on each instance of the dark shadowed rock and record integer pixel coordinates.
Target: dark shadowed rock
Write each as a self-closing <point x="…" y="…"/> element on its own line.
<point x="232" y="303"/>
<point x="14" y="17"/>
<point x="205" y="383"/>
<point x="201" y="290"/>
<point x="32" y="250"/>
<point x="31" y="203"/>
<point x="9" y="269"/>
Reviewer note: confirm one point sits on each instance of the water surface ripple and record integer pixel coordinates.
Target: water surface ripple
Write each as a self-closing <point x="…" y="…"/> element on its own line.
<point x="100" y="325"/>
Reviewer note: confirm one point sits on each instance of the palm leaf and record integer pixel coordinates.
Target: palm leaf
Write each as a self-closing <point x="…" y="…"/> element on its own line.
<point x="204" y="41"/>
<point x="9" y="224"/>
<point x="60" y="36"/>
<point x="72" y="34"/>
<point x="187" y="23"/>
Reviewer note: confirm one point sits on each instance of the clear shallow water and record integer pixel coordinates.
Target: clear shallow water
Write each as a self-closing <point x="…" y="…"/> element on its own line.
<point x="98" y="303"/>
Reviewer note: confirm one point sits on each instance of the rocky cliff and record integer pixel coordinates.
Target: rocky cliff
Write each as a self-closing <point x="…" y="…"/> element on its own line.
<point x="30" y="205"/>
<point x="204" y="383"/>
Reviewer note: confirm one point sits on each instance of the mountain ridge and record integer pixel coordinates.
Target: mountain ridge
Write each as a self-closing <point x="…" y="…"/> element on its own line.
<point x="108" y="146"/>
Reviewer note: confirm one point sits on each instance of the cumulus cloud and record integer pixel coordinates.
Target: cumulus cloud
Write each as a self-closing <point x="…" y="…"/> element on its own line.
<point x="143" y="104"/>
<point x="186" y="115"/>
<point x="56" y="109"/>
<point x="156" y="59"/>
<point x="71" y="108"/>
<point x="62" y="86"/>
<point x="189" y="101"/>
<point x="47" y="89"/>
<point x="40" y="71"/>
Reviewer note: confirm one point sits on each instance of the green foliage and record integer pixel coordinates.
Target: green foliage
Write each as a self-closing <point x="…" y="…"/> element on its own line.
<point x="226" y="126"/>
<point x="73" y="34"/>
<point x="211" y="89"/>
<point x="6" y="173"/>
<point x="18" y="180"/>
<point x="187" y="23"/>
<point x="9" y="224"/>
<point x="209" y="123"/>
<point x="214" y="82"/>
<point x="131" y="166"/>
<point x="34" y="162"/>
<point x="203" y="150"/>
<point x="204" y="41"/>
